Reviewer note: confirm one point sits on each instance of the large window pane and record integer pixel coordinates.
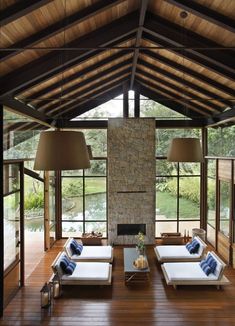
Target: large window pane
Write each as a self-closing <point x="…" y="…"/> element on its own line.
<point x="96" y="227"/>
<point x="95" y="199"/>
<point x="72" y="229"/>
<point x="188" y="226"/>
<point x="98" y="168"/>
<point x="11" y="178"/>
<point x="166" y="198"/>
<point x="162" y="227"/>
<point x="72" y="198"/>
<point x="224" y="207"/>
<point x="221" y="141"/>
<point x="189" y="198"/>
<point x="163" y="168"/>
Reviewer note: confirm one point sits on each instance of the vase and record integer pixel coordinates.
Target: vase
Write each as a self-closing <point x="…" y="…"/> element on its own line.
<point x="140" y="251"/>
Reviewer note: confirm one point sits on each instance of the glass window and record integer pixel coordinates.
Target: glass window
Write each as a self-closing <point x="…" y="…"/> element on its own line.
<point x="225" y="196"/>
<point x="221" y="141"/>
<point x="166" y="198"/>
<point x="163" y="227"/>
<point x="189" y="198"/>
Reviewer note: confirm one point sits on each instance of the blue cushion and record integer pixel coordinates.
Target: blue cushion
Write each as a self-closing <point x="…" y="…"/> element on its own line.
<point x="211" y="262"/>
<point x="76" y="248"/>
<point x="64" y="263"/>
<point x="190" y="248"/>
<point x="205" y="267"/>
<point x="79" y="248"/>
<point x="70" y="268"/>
<point x="193" y="246"/>
<point x="73" y="248"/>
<point x="196" y="247"/>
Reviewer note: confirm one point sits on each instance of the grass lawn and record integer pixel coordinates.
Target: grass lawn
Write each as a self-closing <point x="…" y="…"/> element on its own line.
<point x="166" y="204"/>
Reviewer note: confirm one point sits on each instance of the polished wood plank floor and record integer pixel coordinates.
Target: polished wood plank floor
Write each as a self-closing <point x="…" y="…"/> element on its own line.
<point x="149" y="304"/>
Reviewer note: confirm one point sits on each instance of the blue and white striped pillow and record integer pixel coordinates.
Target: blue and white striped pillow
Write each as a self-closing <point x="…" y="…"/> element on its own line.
<point x="205" y="267"/>
<point x="70" y="268"/>
<point x="211" y="262"/>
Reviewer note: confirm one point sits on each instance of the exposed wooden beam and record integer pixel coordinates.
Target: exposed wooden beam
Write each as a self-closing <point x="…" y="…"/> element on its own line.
<point x="170" y="34"/>
<point x="186" y="124"/>
<point x="60" y="26"/>
<point x="143" y="9"/>
<point x="222" y="118"/>
<point x="41" y="93"/>
<point x="81" y="94"/>
<point x="171" y="104"/>
<point x="87" y="81"/>
<point x="20" y="9"/>
<point x="125" y="100"/>
<point x="84" y="124"/>
<point x="33" y="174"/>
<point x="101" y="96"/>
<point x="182" y="92"/>
<point x="137" y="102"/>
<point x="52" y="63"/>
<point x="24" y="109"/>
<point x="190" y="72"/>
<point x="206" y="13"/>
<point x="183" y="81"/>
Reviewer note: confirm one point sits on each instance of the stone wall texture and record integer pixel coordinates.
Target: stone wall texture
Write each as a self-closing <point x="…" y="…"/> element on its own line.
<point x="131" y="176"/>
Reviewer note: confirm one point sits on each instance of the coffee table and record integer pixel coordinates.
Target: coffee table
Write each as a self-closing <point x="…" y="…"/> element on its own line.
<point x="132" y="274"/>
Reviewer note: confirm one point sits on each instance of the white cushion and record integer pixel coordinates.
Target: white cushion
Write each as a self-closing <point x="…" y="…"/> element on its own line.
<point x="94" y="252"/>
<point x="89" y="272"/>
<point x="171" y="251"/>
<point x="190" y="271"/>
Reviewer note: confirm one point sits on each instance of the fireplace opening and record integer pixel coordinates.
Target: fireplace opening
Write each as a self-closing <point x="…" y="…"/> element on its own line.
<point x="131" y="229"/>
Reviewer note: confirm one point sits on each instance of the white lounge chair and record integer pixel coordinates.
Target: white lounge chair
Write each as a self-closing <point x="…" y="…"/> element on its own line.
<point x="190" y="273"/>
<point x="90" y="253"/>
<point x="85" y="273"/>
<point x="174" y="253"/>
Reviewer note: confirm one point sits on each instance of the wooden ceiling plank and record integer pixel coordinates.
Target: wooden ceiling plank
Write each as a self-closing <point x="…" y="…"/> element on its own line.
<point x="143" y="9"/>
<point x="107" y="93"/>
<point x="24" y="109"/>
<point x="205" y="13"/>
<point x="87" y="70"/>
<point x="223" y="117"/>
<point x="73" y="64"/>
<point x="157" y="97"/>
<point x="173" y="35"/>
<point x="184" y="82"/>
<point x="179" y="90"/>
<point x="89" y="80"/>
<point x="20" y="9"/>
<point x="188" y="105"/>
<point x="58" y="27"/>
<point x="207" y="80"/>
<point x="80" y="94"/>
<point x="53" y="63"/>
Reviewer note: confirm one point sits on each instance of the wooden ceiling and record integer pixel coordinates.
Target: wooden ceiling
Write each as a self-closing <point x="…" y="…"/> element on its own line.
<point x="61" y="58"/>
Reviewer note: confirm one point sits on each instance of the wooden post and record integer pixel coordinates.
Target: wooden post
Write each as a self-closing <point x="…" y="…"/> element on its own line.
<point x="203" y="183"/>
<point x="22" y="246"/>
<point x="125" y="101"/>
<point x="1" y="219"/>
<point x="137" y="103"/>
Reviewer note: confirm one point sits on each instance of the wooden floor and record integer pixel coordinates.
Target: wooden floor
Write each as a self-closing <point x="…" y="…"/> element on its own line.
<point x="148" y="304"/>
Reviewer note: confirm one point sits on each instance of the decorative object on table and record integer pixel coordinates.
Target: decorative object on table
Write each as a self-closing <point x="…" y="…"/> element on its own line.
<point x="45" y="296"/>
<point x="140" y="246"/>
<point x="140" y="262"/>
<point x="171" y="238"/>
<point x="92" y="238"/>
<point x="55" y="286"/>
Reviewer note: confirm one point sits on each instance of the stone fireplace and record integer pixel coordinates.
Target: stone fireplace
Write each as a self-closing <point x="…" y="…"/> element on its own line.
<point x="131" y="179"/>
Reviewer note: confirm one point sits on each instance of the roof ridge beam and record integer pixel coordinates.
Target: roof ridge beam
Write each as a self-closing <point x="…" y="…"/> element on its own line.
<point x="52" y="63"/>
<point x="58" y="27"/>
<point x="205" y="13"/>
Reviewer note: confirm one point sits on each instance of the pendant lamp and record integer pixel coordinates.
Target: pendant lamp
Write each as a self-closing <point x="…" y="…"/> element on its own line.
<point x="61" y="150"/>
<point x="185" y="150"/>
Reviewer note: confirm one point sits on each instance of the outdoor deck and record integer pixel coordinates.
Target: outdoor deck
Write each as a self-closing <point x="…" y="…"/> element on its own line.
<point x="149" y="304"/>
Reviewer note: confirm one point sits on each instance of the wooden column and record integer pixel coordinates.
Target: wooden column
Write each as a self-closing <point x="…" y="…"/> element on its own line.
<point x="203" y="183"/>
<point x="22" y="245"/>
<point x="58" y="206"/>
<point x="1" y="214"/>
<point x="137" y="103"/>
<point x="125" y="101"/>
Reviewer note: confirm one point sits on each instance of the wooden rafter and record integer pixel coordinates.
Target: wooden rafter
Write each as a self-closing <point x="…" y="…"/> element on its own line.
<point x="170" y="35"/>
<point x="80" y="95"/>
<point x="41" y="68"/>
<point x="41" y="93"/>
<point x="206" y="13"/>
<point x="190" y="72"/>
<point x="58" y="27"/>
<point x="223" y="117"/>
<point x="20" y="9"/>
<point x="99" y="97"/>
<point x="169" y="94"/>
<point x="181" y="91"/>
<point x="185" y="82"/>
<point x="168" y="102"/>
<point x="143" y="9"/>
<point x="87" y="81"/>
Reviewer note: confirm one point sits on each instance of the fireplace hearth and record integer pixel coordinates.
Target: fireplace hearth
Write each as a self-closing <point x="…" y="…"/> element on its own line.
<point x="131" y="229"/>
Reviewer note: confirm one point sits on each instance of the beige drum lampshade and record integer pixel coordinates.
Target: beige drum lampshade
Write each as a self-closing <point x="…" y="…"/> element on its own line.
<point x="61" y="150"/>
<point x="185" y="150"/>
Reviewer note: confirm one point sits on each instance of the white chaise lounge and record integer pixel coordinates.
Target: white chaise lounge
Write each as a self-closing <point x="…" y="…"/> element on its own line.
<point x="90" y="253"/>
<point x="85" y="273"/>
<point x="190" y="273"/>
<point x="171" y="253"/>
